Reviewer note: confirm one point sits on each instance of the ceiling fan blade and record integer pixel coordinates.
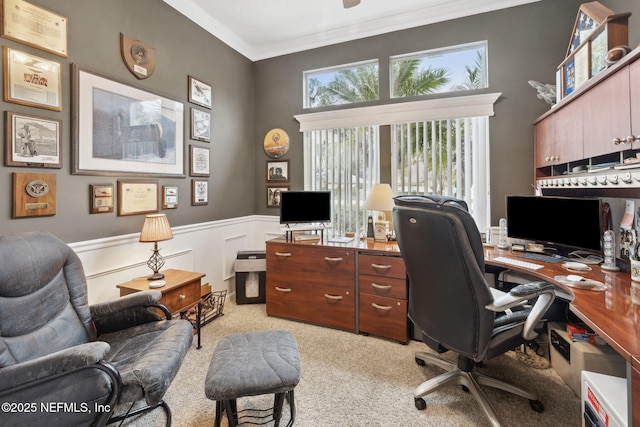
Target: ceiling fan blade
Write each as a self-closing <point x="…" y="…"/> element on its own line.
<point x="350" y="3"/>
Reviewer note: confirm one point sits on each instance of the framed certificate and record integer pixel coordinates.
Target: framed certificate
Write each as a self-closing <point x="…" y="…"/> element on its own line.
<point x="137" y="197"/>
<point x="31" y="80"/>
<point x="34" y="26"/>
<point x="101" y="196"/>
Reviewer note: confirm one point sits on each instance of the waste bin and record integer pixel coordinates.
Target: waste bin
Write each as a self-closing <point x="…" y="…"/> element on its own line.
<point x="251" y="277"/>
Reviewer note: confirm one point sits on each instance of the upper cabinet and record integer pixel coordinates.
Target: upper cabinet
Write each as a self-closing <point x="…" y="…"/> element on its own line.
<point x="634" y="91"/>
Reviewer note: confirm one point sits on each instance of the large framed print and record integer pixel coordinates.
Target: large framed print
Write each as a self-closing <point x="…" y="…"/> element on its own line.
<point x="121" y="130"/>
<point x="137" y="197"/>
<point x="31" y="80"/>
<point x="33" y="141"/>
<point x="35" y="26"/>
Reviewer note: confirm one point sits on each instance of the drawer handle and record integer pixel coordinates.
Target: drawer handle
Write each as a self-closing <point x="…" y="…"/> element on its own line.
<point x="338" y="259"/>
<point x="181" y="297"/>
<point x="285" y="254"/>
<point x="283" y="289"/>
<point x="381" y="267"/>
<point x="385" y="287"/>
<point x="334" y="297"/>
<point x="381" y="307"/>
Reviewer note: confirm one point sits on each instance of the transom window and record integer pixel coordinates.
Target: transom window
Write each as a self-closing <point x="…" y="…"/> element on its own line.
<point x="448" y="69"/>
<point x="343" y="84"/>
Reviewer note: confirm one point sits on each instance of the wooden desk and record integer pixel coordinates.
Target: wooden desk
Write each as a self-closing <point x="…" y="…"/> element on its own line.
<point x="182" y="291"/>
<point x="613" y="314"/>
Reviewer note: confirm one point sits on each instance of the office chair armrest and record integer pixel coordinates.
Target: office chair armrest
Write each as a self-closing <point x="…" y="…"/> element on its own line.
<point x="518" y="295"/>
<point x="53" y="364"/>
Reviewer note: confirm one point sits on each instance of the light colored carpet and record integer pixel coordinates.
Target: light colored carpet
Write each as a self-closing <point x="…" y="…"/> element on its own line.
<point x="356" y="380"/>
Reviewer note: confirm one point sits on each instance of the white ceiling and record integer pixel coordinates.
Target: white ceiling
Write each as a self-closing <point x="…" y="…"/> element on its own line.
<point x="261" y="29"/>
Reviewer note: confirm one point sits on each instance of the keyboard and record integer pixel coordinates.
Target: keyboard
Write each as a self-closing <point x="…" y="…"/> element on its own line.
<point x="552" y="259"/>
<point x="518" y="263"/>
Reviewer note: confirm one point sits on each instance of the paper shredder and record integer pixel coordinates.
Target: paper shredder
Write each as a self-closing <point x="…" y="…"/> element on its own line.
<point x="251" y="275"/>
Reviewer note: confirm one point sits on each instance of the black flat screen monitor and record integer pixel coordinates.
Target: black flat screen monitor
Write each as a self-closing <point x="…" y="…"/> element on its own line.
<point x="565" y="223"/>
<point x="305" y="207"/>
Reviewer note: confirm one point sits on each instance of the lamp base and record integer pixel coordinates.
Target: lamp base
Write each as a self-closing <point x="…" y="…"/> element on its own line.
<point x="155" y="276"/>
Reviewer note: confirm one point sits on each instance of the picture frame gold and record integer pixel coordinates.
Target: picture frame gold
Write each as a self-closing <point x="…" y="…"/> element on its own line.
<point x="31" y="80"/>
<point x="35" y="26"/>
<point x="101" y="198"/>
<point x="33" y="141"/>
<point x="137" y="197"/>
<point x="169" y="197"/>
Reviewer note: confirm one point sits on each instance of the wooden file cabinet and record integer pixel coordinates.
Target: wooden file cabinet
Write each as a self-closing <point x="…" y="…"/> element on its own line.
<point x="382" y="285"/>
<point x="311" y="283"/>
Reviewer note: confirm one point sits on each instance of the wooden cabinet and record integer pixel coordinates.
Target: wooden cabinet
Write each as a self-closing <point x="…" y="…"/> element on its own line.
<point x="311" y="283"/>
<point x="382" y="292"/>
<point x="558" y="137"/>
<point x="634" y="90"/>
<point x="635" y="391"/>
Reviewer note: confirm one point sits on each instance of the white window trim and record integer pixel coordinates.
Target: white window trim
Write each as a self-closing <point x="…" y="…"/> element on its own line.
<point x="378" y="115"/>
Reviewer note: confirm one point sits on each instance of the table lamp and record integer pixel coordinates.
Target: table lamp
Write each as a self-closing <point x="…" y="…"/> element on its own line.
<point x="155" y="229"/>
<point x="380" y="199"/>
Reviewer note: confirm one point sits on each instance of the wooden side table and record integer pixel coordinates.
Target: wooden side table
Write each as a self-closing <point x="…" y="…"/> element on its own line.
<point x="181" y="292"/>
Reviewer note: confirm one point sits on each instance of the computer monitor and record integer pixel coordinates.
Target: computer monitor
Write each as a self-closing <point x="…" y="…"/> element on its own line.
<point x="565" y="223"/>
<point x="305" y="207"/>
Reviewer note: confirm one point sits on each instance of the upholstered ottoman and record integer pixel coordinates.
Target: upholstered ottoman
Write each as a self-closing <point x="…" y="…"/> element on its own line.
<point x="251" y="364"/>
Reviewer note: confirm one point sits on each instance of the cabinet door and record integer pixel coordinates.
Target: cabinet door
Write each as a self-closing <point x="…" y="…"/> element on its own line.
<point x="567" y="131"/>
<point x="634" y="88"/>
<point x="606" y="115"/>
<point x="544" y="136"/>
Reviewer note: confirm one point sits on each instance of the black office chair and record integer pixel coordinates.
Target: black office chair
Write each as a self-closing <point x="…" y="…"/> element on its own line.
<point x="451" y="303"/>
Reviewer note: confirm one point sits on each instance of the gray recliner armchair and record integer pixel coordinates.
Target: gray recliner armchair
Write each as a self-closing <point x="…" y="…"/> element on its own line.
<point x="451" y="303"/>
<point x="65" y="363"/>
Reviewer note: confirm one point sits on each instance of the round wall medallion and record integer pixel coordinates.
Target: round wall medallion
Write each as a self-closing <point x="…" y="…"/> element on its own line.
<point x="37" y="188"/>
<point x="276" y="143"/>
<point x="139" y="54"/>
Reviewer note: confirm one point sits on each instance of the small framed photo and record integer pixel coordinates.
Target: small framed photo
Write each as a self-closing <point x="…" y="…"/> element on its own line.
<point x="31" y="80"/>
<point x="101" y="197"/>
<point x="33" y="141"/>
<point x="169" y="197"/>
<point x="198" y="161"/>
<point x="278" y="171"/>
<point x="200" y="125"/>
<point x="273" y="196"/>
<point x="137" y="197"/>
<point x="199" y="93"/>
<point x="199" y="192"/>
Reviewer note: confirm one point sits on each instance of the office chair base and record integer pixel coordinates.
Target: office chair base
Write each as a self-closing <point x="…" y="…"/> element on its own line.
<point x="472" y="381"/>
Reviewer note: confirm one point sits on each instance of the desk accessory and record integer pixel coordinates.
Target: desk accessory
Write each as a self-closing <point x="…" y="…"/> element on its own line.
<point x="155" y="229"/>
<point x="502" y="243"/>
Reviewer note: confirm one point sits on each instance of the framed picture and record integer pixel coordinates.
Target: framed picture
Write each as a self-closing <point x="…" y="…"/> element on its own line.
<point x="31" y="80"/>
<point x="278" y="171"/>
<point x="200" y="125"/>
<point x="137" y="197"/>
<point x="120" y="130"/>
<point x="273" y="196"/>
<point x="199" y="93"/>
<point x="33" y="141"/>
<point x="35" y="26"/>
<point x="169" y="197"/>
<point x="198" y="161"/>
<point x="101" y="197"/>
<point x="199" y="192"/>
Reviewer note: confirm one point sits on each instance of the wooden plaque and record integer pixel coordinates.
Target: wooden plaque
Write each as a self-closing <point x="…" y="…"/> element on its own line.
<point x="34" y="194"/>
<point x="139" y="59"/>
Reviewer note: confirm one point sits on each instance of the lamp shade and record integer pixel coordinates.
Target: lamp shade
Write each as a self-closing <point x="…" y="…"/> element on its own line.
<point x="380" y="198"/>
<point x="155" y="228"/>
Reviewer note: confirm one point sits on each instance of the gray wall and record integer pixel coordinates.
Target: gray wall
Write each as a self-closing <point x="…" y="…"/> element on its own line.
<point x="525" y="43"/>
<point x="182" y="49"/>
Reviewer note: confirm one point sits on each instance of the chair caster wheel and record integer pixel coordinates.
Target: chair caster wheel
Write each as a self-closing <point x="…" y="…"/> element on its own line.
<point x="420" y="361"/>
<point x="421" y="405"/>
<point x="536" y="405"/>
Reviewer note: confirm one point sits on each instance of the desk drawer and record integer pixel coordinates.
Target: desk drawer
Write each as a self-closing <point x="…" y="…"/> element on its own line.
<point x="383" y="286"/>
<point x="385" y="266"/>
<point x="177" y="300"/>
<point x="317" y="265"/>
<point x="384" y="317"/>
<point x="326" y="305"/>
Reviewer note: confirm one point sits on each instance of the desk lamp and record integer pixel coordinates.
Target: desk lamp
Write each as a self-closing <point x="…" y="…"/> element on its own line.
<point x="155" y="229"/>
<point x="380" y="199"/>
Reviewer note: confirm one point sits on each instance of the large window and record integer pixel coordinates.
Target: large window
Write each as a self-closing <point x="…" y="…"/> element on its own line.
<point x="344" y="84"/>
<point x="449" y="69"/>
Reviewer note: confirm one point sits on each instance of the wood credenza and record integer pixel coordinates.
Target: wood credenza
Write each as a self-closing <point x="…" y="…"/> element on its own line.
<point x="359" y="287"/>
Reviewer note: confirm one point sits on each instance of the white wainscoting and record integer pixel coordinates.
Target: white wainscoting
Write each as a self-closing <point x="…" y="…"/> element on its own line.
<point x="208" y="248"/>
